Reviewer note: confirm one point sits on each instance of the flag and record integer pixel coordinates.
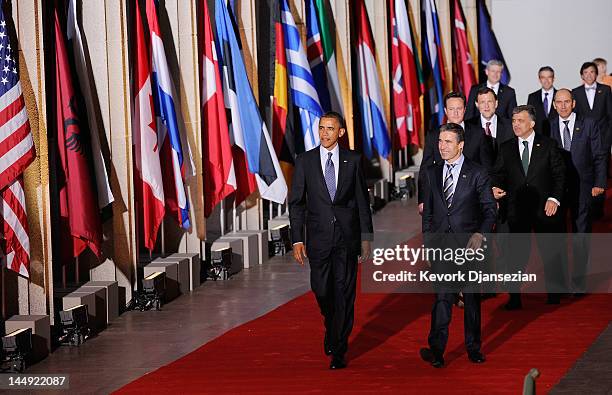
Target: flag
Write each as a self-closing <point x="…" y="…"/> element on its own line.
<point x="148" y="181"/>
<point x="105" y="195"/>
<point x="488" y="48"/>
<point x="172" y="155"/>
<point x="374" y="125"/>
<point x="463" y="67"/>
<point x="283" y="138"/>
<point x="322" y="56"/>
<point x="249" y="133"/>
<point x="405" y="77"/>
<point x="219" y="177"/>
<point x="433" y="65"/>
<point x="16" y="153"/>
<point x="303" y="91"/>
<point x="77" y="195"/>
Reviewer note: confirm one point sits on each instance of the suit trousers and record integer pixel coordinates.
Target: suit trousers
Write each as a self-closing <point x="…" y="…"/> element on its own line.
<point x="333" y="279"/>
<point x="441" y="314"/>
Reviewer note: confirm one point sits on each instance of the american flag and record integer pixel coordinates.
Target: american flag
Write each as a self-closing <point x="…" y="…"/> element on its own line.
<point x="16" y="153"/>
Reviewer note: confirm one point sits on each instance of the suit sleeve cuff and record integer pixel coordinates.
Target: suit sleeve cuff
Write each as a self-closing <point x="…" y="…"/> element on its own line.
<point x="554" y="200"/>
<point x="367" y="236"/>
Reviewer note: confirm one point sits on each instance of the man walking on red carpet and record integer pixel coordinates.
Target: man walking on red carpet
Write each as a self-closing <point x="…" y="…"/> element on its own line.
<point x="458" y="210"/>
<point x="329" y="197"/>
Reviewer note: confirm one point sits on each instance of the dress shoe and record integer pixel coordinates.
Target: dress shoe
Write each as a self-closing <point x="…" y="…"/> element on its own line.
<point x="427" y="355"/>
<point x="326" y="347"/>
<point x="337" y="362"/>
<point x="476" y="357"/>
<point x="553" y="299"/>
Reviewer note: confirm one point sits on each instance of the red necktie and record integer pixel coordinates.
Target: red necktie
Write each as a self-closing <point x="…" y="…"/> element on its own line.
<point x="487" y="130"/>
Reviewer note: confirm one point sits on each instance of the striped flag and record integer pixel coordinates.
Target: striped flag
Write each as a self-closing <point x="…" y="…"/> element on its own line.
<point x="16" y="153"/>
<point x="405" y="78"/>
<point x="375" y="131"/>
<point x="322" y="56"/>
<point x="433" y="65"/>
<point x="219" y="176"/>
<point x="172" y="155"/>
<point x="463" y="66"/>
<point x="105" y="195"/>
<point x="248" y="131"/>
<point x="303" y="91"/>
<point x="148" y="181"/>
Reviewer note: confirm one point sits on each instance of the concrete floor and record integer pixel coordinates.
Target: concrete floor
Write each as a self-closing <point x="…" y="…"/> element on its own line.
<point x="140" y="342"/>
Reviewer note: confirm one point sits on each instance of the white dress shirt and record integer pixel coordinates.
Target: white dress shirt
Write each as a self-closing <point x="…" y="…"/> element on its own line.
<point x="590" y="93"/>
<point x="455" y="172"/>
<point x="551" y="94"/>
<point x="530" y="147"/>
<point x="494" y="87"/>
<point x="570" y="125"/>
<point x="335" y="159"/>
<point x="492" y="126"/>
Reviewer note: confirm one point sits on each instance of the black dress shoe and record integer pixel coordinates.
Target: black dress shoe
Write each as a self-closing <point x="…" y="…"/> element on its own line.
<point x="427" y="355"/>
<point x="337" y="362"/>
<point x="326" y="347"/>
<point x="553" y="299"/>
<point x="476" y="357"/>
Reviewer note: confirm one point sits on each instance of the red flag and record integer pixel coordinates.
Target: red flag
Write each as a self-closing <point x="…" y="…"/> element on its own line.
<point x="406" y="89"/>
<point x="464" y="76"/>
<point x="78" y="198"/>
<point x="148" y="181"/>
<point x="219" y="177"/>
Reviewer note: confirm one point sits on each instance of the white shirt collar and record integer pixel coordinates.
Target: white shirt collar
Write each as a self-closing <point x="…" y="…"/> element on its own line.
<point x="458" y="163"/>
<point x="571" y="118"/>
<point x="590" y="86"/>
<point x="484" y="121"/>
<point x="529" y="139"/>
<point x="495" y="87"/>
<point x="334" y="151"/>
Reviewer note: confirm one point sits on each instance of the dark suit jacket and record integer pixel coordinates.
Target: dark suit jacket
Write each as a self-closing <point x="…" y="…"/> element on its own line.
<point x="310" y="205"/>
<point x="503" y="133"/>
<point x="526" y="194"/>
<point x="601" y="112"/>
<point x="506" y="101"/>
<point x="477" y="147"/>
<point x="586" y="161"/>
<point x="473" y="207"/>
<point x="542" y="121"/>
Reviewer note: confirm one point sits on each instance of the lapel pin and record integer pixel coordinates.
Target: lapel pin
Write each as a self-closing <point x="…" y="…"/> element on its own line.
<point x="464" y="176"/>
<point x="599" y="91"/>
<point x="577" y="130"/>
<point x="345" y="161"/>
<point x="538" y="144"/>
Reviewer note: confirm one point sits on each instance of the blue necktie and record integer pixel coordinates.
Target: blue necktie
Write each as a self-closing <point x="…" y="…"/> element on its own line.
<point x="330" y="176"/>
<point x="567" y="138"/>
<point x="546" y="103"/>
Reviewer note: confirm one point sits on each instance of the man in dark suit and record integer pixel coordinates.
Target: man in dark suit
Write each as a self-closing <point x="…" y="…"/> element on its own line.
<point x="585" y="164"/>
<point x="329" y="197"/>
<point x="594" y="100"/>
<point x="460" y="209"/>
<point x="477" y="146"/>
<point x="506" y="96"/>
<point x="499" y="129"/>
<point x="542" y="100"/>
<point x="530" y="174"/>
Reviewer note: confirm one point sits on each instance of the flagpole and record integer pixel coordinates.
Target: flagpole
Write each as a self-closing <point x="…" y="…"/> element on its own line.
<point x="77" y="272"/>
<point x="3" y="290"/>
<point x="234" y="216"/>
<point x="222" y="216"/>
<point x="163" y="238"/>
<point x="271" y="211"/>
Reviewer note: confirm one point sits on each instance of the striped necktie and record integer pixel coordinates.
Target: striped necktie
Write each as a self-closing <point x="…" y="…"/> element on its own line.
<point x="448" y="185"/>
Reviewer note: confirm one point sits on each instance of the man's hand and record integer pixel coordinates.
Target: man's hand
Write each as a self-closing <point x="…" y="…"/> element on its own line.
<point x="366" y="250"/>
<point x="420" y="208"/>
<point x="550" y="208"/>
<point x="475" y="241"/>
<point x="596" y="191"/>
<point x="498" y="193"/>
<point x="299" y="253"/>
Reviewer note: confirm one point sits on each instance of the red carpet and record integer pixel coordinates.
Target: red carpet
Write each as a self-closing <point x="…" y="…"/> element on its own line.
<point x="281" y="352"/>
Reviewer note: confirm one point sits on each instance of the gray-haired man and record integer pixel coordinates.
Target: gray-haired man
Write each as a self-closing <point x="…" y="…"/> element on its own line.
<point x="506" y="97"/>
